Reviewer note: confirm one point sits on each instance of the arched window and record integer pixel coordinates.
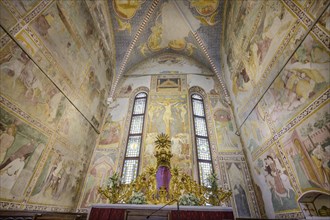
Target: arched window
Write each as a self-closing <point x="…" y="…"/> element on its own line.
<point x="134" y="141"/>
<point x="204" y="158"/>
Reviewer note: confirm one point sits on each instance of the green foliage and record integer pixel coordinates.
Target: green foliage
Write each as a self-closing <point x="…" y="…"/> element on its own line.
<point x="112" y="189"/>
<point x="189" y="200"/>
<point x="137" y="198"/>
<point x="212" y="180"/>
<point x="114" y="181"/>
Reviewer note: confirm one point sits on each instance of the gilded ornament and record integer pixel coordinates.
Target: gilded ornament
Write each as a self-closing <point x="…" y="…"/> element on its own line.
<point x="181" y="187"/>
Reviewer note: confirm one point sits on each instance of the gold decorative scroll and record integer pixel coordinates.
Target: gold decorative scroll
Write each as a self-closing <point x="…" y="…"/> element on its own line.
<point x="180" y="183"/>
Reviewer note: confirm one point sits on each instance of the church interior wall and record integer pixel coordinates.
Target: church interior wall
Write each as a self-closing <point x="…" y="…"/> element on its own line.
<point x="270" y="144"/>
<point x="54" y="83"/>
<point x="169" y="94"/>
<point x="279" y="87"/>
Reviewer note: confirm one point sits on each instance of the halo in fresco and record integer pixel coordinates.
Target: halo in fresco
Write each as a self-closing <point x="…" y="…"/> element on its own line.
<point x="204" y="8"/>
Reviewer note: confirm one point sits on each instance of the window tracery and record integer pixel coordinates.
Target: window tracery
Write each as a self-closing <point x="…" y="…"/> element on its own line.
<point x="202" y="142"/>
<point x="134" y="142"/>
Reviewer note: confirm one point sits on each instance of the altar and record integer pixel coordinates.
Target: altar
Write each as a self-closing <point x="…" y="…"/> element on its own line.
<point x="162" y="192"/>
<point x="159" y="212"/>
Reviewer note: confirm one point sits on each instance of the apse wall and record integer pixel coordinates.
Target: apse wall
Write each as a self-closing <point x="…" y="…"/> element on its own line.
<point x="278" y="52"/>
<point x="169" y="85"/>
<point x="54" y="80"/>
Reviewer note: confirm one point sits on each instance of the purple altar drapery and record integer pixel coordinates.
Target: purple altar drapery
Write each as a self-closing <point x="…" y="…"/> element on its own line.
<point x="163" y="177"/>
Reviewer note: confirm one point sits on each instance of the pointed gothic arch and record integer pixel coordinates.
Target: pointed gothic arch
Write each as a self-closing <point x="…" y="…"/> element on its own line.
<point x="134" y="130"/>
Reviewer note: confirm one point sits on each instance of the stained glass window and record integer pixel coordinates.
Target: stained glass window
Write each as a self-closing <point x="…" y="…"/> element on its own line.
<point x="204" y="157"/>
<point x="200" y="126"/>
<point x="205" y="169"/>
<point x="133" y="144"/>
<point x="141" y="95"/>
<point x="198" y="108"/>
<point x="203" y="149"/>
<point x="129" y="171"/>
<point x="136" y="124"/>
<point x="139" y="106"/>
<point x="197" y="97"/>
<point x="132" y="154"/>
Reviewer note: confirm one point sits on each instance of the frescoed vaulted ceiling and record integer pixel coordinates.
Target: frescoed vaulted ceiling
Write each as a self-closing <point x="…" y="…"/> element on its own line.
<point x="144" y="29"/>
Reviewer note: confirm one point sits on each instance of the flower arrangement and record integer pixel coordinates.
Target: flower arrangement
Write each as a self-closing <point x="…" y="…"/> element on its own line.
<point x="189" y="199"/>
<point x="112" y="189"/>
<point x="212" y="181"/>
<point x="137" y="198"/>
<point x="113" y="181"/>
<point x="216" y="195"/>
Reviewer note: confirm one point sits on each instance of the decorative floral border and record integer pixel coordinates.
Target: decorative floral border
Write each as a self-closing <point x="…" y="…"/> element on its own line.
<point x="4" y="101"/>
<point x="300" y="117"/>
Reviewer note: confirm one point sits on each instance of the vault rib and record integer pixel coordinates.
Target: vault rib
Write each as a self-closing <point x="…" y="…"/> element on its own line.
<point x="204" y="49"/>
<point x="132" y="44"/>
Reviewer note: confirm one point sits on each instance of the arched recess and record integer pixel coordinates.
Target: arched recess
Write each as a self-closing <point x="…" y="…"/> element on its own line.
<point x="315" y="204"/>
<point x="127" y="126"/>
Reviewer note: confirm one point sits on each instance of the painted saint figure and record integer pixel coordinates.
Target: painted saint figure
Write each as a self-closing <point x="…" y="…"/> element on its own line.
<point x="241" y="201"/>
<point x="167" y="116"/>
<point x="321" y="159"/>
<point x="6" y="140"/>
<point x="272" y="170"/>
<point x="10" y="173"/>
<point x="25" y="150"/>
<point x="54" y="175"/>
<point x="283" y="195"/>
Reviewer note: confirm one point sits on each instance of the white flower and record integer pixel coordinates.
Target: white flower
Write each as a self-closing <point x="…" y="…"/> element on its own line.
<point x="189" y="199"/>
<point x="137" y="198"/>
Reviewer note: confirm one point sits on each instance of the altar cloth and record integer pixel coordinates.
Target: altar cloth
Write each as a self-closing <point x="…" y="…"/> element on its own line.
<point x="121" y="212"/>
